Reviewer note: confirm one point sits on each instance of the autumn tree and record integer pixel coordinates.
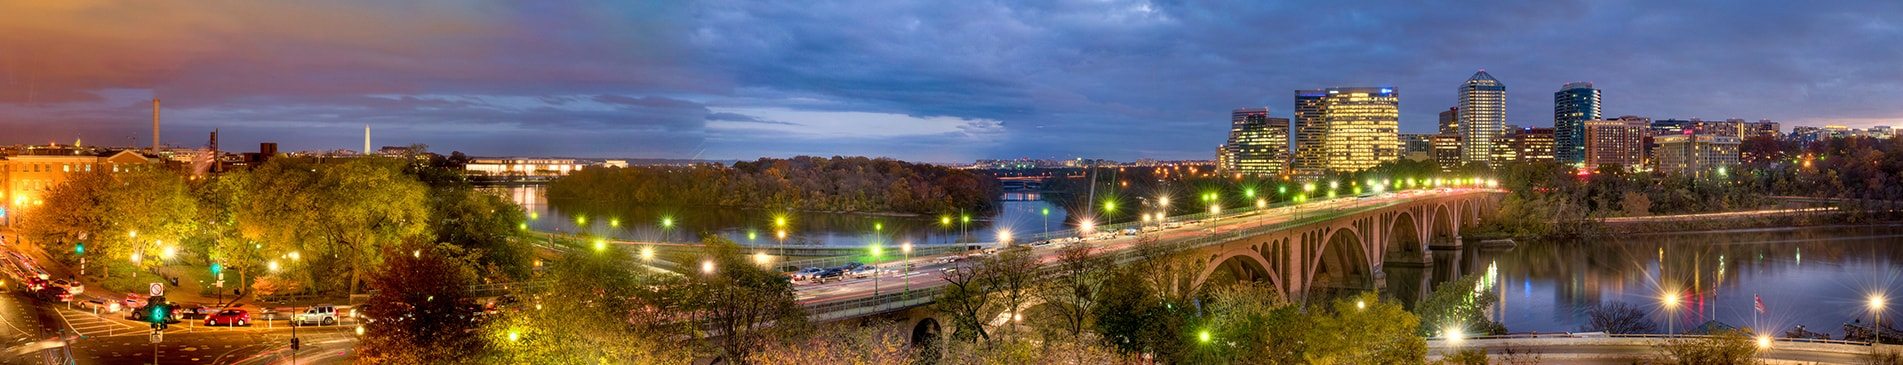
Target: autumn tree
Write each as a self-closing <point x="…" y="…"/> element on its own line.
<point x="423" y="306"/>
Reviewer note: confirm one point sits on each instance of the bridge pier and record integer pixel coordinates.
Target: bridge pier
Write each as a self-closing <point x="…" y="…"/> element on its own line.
<point x="1410" y="259"/>
<point x="1445" y="244"/>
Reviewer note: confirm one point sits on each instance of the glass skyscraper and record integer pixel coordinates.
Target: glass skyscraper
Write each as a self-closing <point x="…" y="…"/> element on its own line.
<point x="1310" y="133"/>
<point x="1258" y="144"/>
<point x="1363" y="127"/>
<point x="1573" y="105"/>
<point x="1483" y="116"/>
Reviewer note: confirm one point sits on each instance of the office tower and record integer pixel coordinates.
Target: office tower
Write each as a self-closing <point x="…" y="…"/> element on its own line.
<point x="1362" y="127"/>
<point x="1482" y="116"/>
<point x="1618" y="142"/>
<point x="1446" y="151"/>
<point x="1309" y="157"/>
<point x="1697" y="154"/>
<point x="1450" y="121"/>
<point x="1573" y="105"/>
<point x="1417" y="146"/>
<point x="1763" y="128"/>
<point x="1258" y="144"/>
<point x="1224" y="161"/>
<point x="1524" y="145"/>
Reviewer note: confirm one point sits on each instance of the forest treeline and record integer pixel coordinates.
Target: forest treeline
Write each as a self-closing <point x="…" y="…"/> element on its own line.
<point x="806" y="183"/>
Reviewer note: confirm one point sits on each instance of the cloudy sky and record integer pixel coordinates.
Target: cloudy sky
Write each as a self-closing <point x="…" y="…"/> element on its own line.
<point x="922" y="80"/>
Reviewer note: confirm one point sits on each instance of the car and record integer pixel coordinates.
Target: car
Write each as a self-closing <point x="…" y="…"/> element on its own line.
<point x="830" y="274"/>
<point x="134" y="301"/>
<point x="71" y="287"/>
<point x="322" y="314"/>
<point x="806" y="273"/>
<point x="864" y="272"/>
<point x="228" y="317"/>
<point x="195" y="311"/>
<point x="53" y="293"/>
<point x="1129" y="231"/>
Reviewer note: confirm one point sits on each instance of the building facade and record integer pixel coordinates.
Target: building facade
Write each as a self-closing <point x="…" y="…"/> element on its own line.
<point x="1450" y="121"/>
<point x="1482" y="116"/>
<point x="1258" y="144"/>
<point x="1573" y="105"/>
<point x="27" y="177"/>
<point x="1763" y="128"/>
<point x="1618" y="142"/>
<point x="1446" y="151"/>
<point x="1524" y="145"/>
<point x="1417" y="146"/>
<point x="523" y="166"/>
<point x="1310" y="146"/>
<point x="1697" y="154"/>
<point x="1363" y="127"/>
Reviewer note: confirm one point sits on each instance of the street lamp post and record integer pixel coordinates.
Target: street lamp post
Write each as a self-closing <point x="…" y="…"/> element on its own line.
<point x="1876" y="314"/>
<point x="1671" y="312"/>
<point x="907" y="249"/>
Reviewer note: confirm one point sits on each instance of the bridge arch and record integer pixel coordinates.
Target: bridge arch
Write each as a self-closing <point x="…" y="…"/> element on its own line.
<point x="1443" y="228"/>
<point x="926" y="333"/>
<point x="1404" y="238"/>
<point x="1343" y="262"/>
<point x="1236" y="266"/>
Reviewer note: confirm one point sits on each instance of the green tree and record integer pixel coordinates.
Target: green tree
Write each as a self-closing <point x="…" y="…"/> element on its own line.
<point x="740" y="303"/>
<point x="596" y="307"/>
<point x="423" y="308"/>
<point x="1459" y="304"/>
<point x="1366" y="330"/>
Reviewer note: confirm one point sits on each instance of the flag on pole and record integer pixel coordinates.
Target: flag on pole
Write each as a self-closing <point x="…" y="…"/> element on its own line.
<point x="1759" y="301"/>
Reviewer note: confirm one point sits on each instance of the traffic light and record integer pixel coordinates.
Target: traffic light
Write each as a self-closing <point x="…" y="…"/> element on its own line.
<point x="159" y="314"/>
<point x="79" y="248"/>
<point x="215" y="268"/>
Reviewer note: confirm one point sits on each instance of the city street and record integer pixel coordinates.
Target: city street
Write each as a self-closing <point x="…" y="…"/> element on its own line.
<point x="30" y="330"/>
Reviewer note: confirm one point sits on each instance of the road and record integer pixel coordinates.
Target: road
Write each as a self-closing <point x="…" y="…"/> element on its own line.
<point x="928" y="273"/>
<point x="31" y="330"/>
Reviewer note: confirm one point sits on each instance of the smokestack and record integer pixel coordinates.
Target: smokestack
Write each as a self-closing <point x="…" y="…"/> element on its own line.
<point x="155" y="125"/>
<point x="366" y="140"/>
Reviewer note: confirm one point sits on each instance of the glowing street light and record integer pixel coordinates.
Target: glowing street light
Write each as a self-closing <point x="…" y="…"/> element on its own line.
<point x="294" y="255"/>
<point x="1453" y="335"/>
<point x="1086" y="225"/>
<point x="169" y="252"/>
<point x="707" y="266"/>
<point x="1876" y="303"/>
<point x="581" y="221"/>
<point x="1764" y="342"/>
<point x="601" y="245"/>
<point x="1261" y="203"/>
<point x="1163" y="201"/>
<point x="1204" y="336"/>
<point x="761" y="258"/>
<point x="647" y="253"/>
<point x="1004" y="236"/>
<point x="272" y="266"/>
<point x="1110" y="206"/>
<point x="614" y="222"/>
<point x="1361" y="304"/>
<point x="1670" y="301"/>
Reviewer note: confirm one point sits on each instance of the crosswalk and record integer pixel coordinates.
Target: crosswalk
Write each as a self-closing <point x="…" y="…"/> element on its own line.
<point x="102" y="325"/>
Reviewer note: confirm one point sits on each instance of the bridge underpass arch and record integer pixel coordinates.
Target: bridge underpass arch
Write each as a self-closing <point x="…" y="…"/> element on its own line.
<point x="1234" y="267"/>
<point x="1343" y="265"/>
<point x="1406" y="257"/>
<point x="926" y="333"/>
<point x="1443" y="231"/>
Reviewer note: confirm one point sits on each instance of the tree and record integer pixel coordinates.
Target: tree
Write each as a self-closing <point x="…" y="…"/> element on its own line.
<point x="597" y="307"/>
<point x="1459" y="304"/>
<point x="869" y="344"/>
<point x="1134" y="319"/>
<point x="425" y="312"/>
<point x="741" y="304"/>
<point x="1635" y="204"/>
<point x="1256" y="325"/>
<point x="1366" y="330"/>
<point x="1070" y="293"/>
<point x="1725" y="347"/>
<point x="1618" y="318"/>
<point x="338" y="216"/>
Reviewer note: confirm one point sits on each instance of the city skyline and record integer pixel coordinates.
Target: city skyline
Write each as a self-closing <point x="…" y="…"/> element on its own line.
<point x="1119" y="80"/>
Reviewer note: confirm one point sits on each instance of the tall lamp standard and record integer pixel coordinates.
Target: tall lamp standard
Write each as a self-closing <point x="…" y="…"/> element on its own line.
<point x="877" y="251"/>
<point x="1876" y="313"/>
<point x="667" y="224"/>
<point x="1670" y="300"/>
<point x="907" y="249"/>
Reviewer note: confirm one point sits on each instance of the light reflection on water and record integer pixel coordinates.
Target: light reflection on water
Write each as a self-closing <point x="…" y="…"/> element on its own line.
<point x="1816" y="277"/>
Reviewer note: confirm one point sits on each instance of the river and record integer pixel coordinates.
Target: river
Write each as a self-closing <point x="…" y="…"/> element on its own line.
<point x="1819" y="277"/>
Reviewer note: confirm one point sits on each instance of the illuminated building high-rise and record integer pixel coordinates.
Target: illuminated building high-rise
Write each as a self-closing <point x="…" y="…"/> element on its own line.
<point x="1309" y="158"/>
<point x="1573" y="105"/>
<point x="1258" y="144"/>
<point x="1363" y="127"/>
<point x="1619" y="142"/>
<point x="1482" y="116"/>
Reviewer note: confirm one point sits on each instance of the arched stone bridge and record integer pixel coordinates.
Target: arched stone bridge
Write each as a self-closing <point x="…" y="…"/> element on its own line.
<point x="1350" y="251"/>
<point x="1306" y="251"/>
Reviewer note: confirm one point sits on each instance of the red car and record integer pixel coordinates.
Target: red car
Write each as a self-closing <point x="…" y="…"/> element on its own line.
<point x="229" y="317"/>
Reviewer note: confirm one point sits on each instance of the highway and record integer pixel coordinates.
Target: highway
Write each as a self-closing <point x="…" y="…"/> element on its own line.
<point x="929" y="275"/>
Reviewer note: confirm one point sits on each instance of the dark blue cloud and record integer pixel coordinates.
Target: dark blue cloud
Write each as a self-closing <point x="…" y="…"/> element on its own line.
<point x="1120" y="79"/>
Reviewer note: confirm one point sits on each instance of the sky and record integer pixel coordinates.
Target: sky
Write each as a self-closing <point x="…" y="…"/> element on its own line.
<point x="934" y="81"/>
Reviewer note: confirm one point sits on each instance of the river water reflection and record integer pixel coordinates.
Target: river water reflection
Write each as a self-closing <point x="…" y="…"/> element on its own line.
<point x="1021" y="213"/>
<point x="1817" y="277"/>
